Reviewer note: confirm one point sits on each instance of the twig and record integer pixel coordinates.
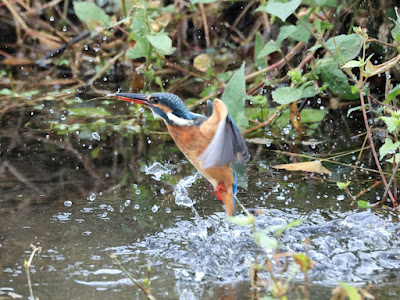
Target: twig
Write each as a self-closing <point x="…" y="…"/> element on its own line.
<point x="371" y="142"/>
<point x="174" y="66"/>
<point x="205" y="25"/>
<point x="19" y="176"/>
<point x="106" y="67"/>
<point x="390" y="183"/>
<point x="16" y="15"/>
<point x="322" y="159"/>
<point x="27" y="264"/>
<point x="317" y="36"/>
<point x="277" y="64"/>
<point x="368" y="189"/>
<point x="141" y="287"/>
<point x="266" y="123"/>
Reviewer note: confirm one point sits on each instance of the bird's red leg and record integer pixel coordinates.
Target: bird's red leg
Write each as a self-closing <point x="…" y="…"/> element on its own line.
<point x="220" y="188"/>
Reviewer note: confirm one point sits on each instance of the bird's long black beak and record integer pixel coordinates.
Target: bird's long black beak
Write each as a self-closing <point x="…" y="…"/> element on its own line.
<point x="132" y="98"/>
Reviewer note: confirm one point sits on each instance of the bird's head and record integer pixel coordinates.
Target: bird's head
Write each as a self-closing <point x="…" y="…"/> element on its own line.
<point x="165" y="105"/>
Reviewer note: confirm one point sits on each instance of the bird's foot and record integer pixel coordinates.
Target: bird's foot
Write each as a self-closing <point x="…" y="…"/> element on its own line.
<point x="220" y="188"/>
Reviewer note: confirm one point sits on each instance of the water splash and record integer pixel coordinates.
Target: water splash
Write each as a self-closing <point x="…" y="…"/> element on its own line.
<point x="157" y="170"/>
<point x="351" y="246"/>
<point x="181" y="191"/>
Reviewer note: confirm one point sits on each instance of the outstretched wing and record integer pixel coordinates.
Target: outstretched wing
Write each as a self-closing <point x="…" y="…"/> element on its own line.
<point x="227" y="146"/>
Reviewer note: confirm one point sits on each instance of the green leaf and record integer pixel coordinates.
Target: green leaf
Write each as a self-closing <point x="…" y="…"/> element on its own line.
<point x="285" y="32"/>
<point x="359" y="108"/>
<point x="303" y="261"/>
<point x="310" y="91"/>
<point x="120" y="22"/>
<point x="290" y="225"/>
<point x="362" y="204"/>
<point x="352" y="292"/>
<point x="141" y="49"/>
<point x="282" y="9"/>
<point x="269" y="48"/>
<point x="286" y="95"/>
<point x="95" y="152"/>
<point x="393" y="93"/>
<point x="353" y="64"/>
<point x="343" y="185"/>
<point x="91" y="15"/>
<point x="326" y="3"/>
<point x="6" y="92"/>
<point x="312" y="115"/>
<point x="348" y="45"/>
<point x="396" y="30"/>
<point x="397" y="160"/>
<point x="202" y="1"/>
<point x="258" y="46"/>
<point x="302" y="34"/>
<point x="388" y="148"/>
<point x="89" y="112"/>
<point x="391" y="123"/>
<point x="160" y="41"/>
<point x="242" y="221"/>
<point x="139" y="26"/>
<point x="337" y="81"/>
<point x="234" y="97"/>
<point x="264" y="241"/>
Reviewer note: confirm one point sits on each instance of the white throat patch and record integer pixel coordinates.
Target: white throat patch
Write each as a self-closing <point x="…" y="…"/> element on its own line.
<point x="179" y="121"/>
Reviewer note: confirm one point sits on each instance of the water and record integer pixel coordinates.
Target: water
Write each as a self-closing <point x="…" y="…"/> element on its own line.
<point x="166" y="216"/>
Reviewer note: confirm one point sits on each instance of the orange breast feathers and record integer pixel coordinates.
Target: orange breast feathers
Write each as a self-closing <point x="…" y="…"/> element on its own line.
<point x="193" y="140"/>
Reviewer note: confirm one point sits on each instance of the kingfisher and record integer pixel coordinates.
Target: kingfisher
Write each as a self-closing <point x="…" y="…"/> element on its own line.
<point x="212" y="145"/>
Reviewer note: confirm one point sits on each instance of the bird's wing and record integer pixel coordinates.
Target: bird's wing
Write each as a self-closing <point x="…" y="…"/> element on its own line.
<point x="227" y="145"/>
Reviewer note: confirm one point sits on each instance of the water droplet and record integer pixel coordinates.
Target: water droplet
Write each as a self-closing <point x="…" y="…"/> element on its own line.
<point x="127" y="202"/>
<point x="155" y="208"/>
<point x="51" y="19"/>
<point x="92" y="197"/>
<point x="68" y="203"/>
<point x="96" y="136"/>
<point x="63" y="117"/>
<point x="340" y="197"/>
<point x="136" y="206"/>
<point x="199" y="276"/>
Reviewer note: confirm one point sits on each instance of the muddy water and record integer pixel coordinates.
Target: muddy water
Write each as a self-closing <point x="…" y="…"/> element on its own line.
<point x="177" y="228"/>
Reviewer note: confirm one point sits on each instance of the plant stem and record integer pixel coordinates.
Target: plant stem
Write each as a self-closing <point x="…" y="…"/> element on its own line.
<point x="371" y="142"/>
<point x="142" y="288"/>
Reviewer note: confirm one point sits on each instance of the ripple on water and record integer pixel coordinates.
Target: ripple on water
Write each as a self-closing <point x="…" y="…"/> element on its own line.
<point x="352" y="247"/>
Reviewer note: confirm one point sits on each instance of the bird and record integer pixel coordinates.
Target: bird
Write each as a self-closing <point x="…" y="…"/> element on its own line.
<point x="212" y="144"/>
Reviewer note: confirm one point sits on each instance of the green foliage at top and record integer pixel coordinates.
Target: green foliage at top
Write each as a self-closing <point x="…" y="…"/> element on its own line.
<point x="92" y="15"/>
<point x="234" y="97"/>
<point x="282" y="9"/>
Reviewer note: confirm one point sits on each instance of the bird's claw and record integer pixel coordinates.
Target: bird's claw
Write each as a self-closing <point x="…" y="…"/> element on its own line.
<point x="220" y="188"/>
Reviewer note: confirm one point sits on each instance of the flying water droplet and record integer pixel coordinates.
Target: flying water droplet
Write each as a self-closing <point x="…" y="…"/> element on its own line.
<point x="92" y="197"/>
<point x="96" y="136"/>
<point x="68" y="203"/>
<point x="340" y="197"/>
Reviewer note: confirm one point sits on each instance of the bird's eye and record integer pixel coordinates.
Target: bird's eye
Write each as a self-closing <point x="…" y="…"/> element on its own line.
<point x="155" y="100"/>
